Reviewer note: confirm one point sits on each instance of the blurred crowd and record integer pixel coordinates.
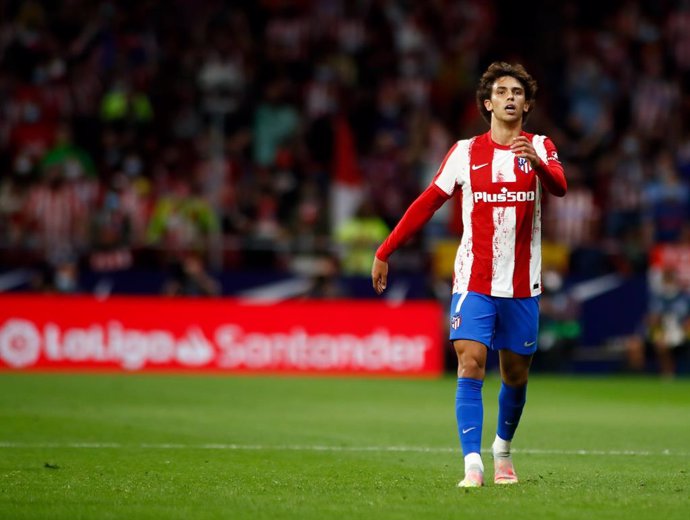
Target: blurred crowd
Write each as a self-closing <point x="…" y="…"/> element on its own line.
<point x="292" y="134"/>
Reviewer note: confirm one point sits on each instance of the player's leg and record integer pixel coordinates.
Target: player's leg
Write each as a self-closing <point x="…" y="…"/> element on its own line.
<point x="472" y="320"/>
<point x="517" y="330"/>
<point x="664" y="356"/>
<point x="513" y="393"/>
<point x="469" y="407"/>
<point x="511" y="402"/>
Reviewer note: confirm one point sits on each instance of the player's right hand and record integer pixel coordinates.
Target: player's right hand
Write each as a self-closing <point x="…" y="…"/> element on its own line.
<point x="379" y="275"/>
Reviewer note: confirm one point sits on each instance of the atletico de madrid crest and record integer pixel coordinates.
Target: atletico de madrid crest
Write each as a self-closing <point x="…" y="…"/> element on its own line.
<point x="524" y="164"/>
<point x="456" y="321"/>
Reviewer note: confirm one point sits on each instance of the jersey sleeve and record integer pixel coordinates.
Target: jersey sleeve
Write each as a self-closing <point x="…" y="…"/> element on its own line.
<point x="550" y="171"/>
<point x="418" y="214"/>
<point x="448" y="175"/>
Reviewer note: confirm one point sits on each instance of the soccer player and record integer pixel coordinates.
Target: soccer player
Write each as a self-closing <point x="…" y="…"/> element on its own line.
<point x="500" y="177"/>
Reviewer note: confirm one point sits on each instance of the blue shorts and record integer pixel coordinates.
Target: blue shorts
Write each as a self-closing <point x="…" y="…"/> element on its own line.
<point x="498" y="323"/>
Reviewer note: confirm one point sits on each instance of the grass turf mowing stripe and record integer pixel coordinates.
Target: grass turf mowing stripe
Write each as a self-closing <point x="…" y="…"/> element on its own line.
<point x="287" y="447"/>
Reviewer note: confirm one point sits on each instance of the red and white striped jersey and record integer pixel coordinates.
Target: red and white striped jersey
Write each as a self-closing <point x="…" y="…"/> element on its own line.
<point x="500" y="250"/>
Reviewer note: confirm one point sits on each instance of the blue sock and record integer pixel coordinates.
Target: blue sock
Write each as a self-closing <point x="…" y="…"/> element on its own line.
<point x="469" y="411"/>
<point x="511" y="401"/>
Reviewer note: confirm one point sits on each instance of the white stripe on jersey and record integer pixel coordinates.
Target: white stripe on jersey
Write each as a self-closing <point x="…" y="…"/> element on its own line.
<point x="456" y="168"/>
<point x="503" y="166"/>
<point x="540" y="148"/>
<point x="535" y="245"/>
<point x="503" y="261"/>
<point x="464" y="258"/>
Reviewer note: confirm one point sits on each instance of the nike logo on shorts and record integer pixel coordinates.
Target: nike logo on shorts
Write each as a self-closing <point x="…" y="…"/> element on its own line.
<point x="477" y="166"/>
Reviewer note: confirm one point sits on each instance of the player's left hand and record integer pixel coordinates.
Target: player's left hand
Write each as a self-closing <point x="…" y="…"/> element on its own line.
<point x="522" y="147"/>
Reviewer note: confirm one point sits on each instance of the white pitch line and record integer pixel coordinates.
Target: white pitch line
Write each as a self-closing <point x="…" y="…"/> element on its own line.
<point x="316" y="447"/>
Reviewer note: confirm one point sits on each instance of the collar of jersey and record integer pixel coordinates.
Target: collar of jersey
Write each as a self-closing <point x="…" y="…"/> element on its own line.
<point x="499" y="146"/>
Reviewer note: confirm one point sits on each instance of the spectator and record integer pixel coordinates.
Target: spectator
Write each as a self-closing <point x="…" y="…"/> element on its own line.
<point x="182" y="220"/>
<point x="358" y="238"/>
<point x="73" y="159"/>
<point x="666" y="199"/>
<point x="188" y="276"/>
<point x="276" y="123"/>
<point x="118" y="225"/>
<point x="54" y="217"/>
<point x="667" y="326"/>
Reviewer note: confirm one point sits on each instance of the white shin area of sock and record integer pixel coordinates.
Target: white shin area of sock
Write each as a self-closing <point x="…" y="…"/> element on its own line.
<point x="501" y="447"/>
<point x="473" y="459"/>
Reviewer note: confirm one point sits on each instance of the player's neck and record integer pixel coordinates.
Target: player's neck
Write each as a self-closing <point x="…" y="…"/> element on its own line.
<point x="503" y="133"/>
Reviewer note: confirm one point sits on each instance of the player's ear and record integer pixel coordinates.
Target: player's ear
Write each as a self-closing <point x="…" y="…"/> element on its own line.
<point x="488" y="105"/>
<point x="526" y="107"/>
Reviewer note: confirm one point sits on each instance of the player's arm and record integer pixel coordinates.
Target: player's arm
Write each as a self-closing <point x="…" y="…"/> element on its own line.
<point x="418" y="214"/>
<point x="550" y="172"/>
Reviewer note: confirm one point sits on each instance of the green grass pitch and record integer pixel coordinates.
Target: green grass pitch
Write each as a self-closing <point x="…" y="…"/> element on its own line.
<point x="228" y="447"/>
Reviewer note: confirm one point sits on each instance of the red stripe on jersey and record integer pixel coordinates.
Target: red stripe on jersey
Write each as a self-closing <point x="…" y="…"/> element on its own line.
<point x="482" y="219"/>
<point x="523" y="241"/>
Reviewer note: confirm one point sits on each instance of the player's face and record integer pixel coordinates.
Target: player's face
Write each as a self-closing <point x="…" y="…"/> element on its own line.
<point x="507" y="101"/>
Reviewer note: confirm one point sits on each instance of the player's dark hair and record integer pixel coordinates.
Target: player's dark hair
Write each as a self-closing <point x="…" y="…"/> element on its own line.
<point x="499" y="69"/>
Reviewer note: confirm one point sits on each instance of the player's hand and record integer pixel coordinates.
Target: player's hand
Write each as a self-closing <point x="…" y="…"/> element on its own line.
<point x="379" y="275"/>
<point x="522" y="147"/>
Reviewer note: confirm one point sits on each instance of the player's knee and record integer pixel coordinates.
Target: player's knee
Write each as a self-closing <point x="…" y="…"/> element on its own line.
<point x="471" y="367"/>
<point x="515" y="378"/>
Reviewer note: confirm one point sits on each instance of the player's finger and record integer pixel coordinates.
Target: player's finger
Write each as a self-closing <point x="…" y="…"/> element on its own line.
<point x="520" y="152"/>
<point x="522" y="145"/>
<point x="374" y="281"/>
<point x="523" y="150"/>
<point x="379" y="282"/>
<point x="382" y="283"/>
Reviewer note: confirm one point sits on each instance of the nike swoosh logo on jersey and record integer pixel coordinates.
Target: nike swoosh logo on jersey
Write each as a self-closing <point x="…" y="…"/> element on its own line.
<point x="530" y="343"/>
<point x="477" y="166"/>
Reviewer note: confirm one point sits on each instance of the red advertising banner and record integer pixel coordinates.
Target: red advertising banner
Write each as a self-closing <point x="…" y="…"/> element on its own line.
<point x="140" y="334"/>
